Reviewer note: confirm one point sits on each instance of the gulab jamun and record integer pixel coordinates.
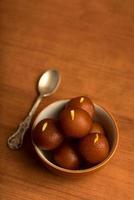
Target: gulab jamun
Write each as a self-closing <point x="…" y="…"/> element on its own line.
<point x="82" y="102"/>
<point x="75" y="122"/>
<point x="94" y="148"/>
<point x="46" y="135"/>
<point x="65" y="156"/>
<point x="97" y="128"/>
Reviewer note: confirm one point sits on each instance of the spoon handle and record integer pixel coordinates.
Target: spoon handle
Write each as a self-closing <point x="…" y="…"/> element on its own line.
<point x="15" y="141"/>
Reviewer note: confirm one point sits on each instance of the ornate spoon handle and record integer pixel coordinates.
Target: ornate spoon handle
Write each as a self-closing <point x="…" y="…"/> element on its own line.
<point x="16" y="140"/>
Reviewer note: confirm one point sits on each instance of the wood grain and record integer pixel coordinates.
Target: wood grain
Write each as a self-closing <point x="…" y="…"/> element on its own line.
<point x="92" y="44"/>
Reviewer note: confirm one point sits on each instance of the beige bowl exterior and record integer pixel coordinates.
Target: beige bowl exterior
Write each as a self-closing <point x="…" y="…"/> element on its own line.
<point x="102" y="116"/>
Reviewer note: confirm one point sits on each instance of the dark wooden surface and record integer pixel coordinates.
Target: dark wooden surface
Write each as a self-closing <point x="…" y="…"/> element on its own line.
<point x="92" y="44"/>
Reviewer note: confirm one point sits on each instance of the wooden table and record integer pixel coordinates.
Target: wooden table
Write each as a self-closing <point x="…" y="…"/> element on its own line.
<point x="92" y="44"/>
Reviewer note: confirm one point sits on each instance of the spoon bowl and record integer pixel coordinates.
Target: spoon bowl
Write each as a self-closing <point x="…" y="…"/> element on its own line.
<point x="49" y="82"/>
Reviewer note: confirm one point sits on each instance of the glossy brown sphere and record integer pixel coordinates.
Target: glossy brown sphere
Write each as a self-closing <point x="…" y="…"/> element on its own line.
<point x="66" y="157"/>
<point x="82" y="102"/>
<point x="75" y="122"/>
<point x="94" y="148"/>
<point x="97" y="128"/>
<point x="46" y="135"/>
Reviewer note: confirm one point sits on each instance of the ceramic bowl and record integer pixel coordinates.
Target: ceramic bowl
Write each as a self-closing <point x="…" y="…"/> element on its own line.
<point x="102" y="116"/>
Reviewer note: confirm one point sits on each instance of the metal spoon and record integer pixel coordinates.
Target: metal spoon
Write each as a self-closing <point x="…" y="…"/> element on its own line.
<point x="48" y="83"/>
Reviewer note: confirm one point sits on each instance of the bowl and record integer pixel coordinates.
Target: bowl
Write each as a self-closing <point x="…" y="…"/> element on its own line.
<point x="102" y="116"/>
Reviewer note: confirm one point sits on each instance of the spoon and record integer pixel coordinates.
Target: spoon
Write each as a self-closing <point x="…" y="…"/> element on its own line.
<point x="48" y="83"/>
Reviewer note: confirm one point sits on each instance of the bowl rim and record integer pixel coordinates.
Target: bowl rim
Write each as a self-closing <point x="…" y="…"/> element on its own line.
<point x="80" y="171"/>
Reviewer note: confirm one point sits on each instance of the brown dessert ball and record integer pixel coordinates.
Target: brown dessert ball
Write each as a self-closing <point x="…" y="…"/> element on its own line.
<point x="75" y="122"/>
<point x="66" y="157"/>
<point x="97" y="128"/>
<point x="82" y="102"/>
<point x="94" y="148"/>
<point x="46" y="135"/>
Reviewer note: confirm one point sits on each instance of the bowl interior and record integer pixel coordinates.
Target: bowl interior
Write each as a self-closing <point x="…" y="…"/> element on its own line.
<point x="102" y="116"/>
